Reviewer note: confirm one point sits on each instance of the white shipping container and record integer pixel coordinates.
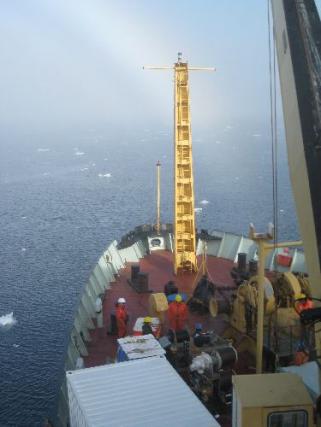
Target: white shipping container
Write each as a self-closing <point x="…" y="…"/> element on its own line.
<point x="139" y="393"/>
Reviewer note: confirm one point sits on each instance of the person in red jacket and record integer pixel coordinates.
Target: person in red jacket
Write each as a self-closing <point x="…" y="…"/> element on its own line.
<point x="302" y="302"/>
<point x="121" y="317"/>
<point x="177" y="314"/>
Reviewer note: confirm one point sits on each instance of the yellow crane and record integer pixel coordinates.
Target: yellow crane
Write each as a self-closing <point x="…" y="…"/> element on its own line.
<point x="184" y="214"/>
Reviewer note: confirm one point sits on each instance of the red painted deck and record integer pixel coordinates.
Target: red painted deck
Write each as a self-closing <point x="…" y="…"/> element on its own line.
<point x="159" y="267"/>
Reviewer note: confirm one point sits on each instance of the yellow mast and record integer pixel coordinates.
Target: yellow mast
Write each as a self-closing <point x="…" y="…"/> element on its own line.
<point x="158" y="197"/>
<point x="184" y="214"/>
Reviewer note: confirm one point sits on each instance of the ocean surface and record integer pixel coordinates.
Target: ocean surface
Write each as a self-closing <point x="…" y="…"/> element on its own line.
<point x="64" y="196"/>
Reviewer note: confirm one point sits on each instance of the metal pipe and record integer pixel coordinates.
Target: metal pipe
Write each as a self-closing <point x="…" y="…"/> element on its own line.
<point x="158" y="197"/>
<point x="260" y="307"/>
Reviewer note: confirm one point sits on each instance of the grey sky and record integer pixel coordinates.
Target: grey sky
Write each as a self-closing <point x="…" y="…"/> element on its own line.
<point x="78" y="62"/>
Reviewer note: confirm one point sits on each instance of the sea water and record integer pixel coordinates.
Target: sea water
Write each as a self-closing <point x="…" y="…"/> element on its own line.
<point x="66" y="195"/>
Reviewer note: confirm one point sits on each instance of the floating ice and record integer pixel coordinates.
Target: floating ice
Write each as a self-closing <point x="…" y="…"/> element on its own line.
<point x="43" y="150"/>
<point x="204" y="202"/>
<point x="106" y="175"/>
<point x="7" y="320"/>
<point x="198" y="210"/>
<point x="79" y="153"/>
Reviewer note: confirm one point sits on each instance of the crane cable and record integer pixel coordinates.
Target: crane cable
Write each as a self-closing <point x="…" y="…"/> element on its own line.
<point x="273" y="123"/>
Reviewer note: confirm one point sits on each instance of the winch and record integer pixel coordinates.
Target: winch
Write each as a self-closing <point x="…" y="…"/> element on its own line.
<point x="211" y="371"/>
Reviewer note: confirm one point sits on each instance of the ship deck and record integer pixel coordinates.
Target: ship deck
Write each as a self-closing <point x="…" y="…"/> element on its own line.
<point x="159" y="266"/>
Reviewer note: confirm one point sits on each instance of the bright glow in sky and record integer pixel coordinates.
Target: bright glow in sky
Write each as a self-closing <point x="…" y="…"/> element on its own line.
<point x="65" y="63"/>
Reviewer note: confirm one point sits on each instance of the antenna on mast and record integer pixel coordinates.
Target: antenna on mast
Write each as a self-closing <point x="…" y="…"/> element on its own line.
<point x="184" y="214"/>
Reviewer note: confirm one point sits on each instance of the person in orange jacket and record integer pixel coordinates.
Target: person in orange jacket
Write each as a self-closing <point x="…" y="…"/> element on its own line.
<point x="121" y="317"/>
<point x="177" y="314"/>
<point x="302" y="302"/>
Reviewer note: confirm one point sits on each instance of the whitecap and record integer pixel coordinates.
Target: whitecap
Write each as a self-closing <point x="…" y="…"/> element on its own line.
<point x="218" y="142"/>
<point x="79" y="153"/>
<point x="43" y="150"/>
<point x="93" y="164"/>
<point x="198" y="210"/>
<point x="84" y="169"/>
<point x="204" y="202"/>
<point x="236" y="178"/>
<point x="256" y="135"/>
<point x="24" y="217"/>
<point x="7" y="320"/>
<point x="15" y="345"/>
<point x="105" y="158"/>
<point x="46" y="174"/>
<point x="281" y="210"/>
<point x="106" y="175"/>
<point x="23" y="249"/>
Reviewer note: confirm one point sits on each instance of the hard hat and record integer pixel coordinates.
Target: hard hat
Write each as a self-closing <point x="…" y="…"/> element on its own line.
<point x="300" y="296"/>
<point x="147" y="319"/>
<point x="178" y="298"/>
<point x="121" y="301"/>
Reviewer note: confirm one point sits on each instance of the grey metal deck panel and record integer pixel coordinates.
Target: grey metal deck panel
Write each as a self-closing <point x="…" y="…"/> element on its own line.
<point x="140" y="393"/>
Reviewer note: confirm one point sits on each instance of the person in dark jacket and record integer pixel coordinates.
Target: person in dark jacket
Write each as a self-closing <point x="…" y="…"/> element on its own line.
<point x="147" y="326"/>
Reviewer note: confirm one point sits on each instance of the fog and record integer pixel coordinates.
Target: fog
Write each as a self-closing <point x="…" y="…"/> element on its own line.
<point x="66" y="64"/>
